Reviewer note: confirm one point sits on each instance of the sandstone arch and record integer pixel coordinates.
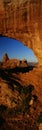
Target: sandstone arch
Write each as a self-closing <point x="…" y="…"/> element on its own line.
<point x="22" y="20"/>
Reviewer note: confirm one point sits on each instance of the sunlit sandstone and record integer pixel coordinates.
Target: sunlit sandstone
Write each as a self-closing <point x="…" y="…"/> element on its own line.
<point x="22" y="20"/>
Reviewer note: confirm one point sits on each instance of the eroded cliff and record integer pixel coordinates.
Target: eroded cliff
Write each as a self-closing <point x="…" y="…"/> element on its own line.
<point x="22" y="20"/>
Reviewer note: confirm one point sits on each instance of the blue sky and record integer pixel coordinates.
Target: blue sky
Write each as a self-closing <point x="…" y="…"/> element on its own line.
<point x="15" y="49"/>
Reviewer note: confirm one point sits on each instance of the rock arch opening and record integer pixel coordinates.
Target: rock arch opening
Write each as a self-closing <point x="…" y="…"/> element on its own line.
<point x="15" y="49"/>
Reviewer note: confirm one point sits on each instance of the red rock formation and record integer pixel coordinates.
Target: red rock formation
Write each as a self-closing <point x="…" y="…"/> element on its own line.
<point x="5" y="57"/>
<point x="23" y="20"/>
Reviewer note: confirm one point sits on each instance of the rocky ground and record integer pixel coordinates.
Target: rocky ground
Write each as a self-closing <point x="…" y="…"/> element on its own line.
<point x="20" y="96"/>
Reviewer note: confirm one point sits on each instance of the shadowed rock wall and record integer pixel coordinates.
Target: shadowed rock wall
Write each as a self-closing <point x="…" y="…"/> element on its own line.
<point x="22" y="20"/>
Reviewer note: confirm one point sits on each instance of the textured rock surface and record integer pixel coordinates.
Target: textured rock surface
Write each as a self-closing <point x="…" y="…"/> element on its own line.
<point x="40" y="127"/>
<point x="22" y="20"/>
<point x="20" y="97"/>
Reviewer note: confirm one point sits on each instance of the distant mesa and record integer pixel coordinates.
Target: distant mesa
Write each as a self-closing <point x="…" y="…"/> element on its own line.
<point x="12" y="63"/>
